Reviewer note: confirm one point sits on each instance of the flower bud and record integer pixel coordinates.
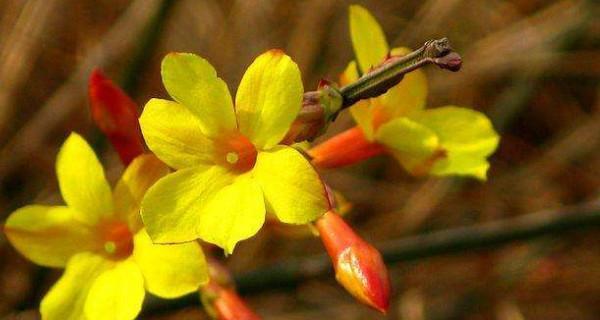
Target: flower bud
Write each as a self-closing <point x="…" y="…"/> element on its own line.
<point x="319" y="108"/>
<point x="219" y="297"/>
<point x="358" y="266"/>
<point x="346" y="148"/>
<point x="116" y="115"/>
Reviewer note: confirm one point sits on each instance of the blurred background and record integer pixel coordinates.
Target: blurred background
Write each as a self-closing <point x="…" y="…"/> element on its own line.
<point x="532" y="66"/>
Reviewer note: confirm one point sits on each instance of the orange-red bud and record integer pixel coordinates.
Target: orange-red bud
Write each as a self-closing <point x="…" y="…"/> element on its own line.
<point x="115" y="113"/>
<point x="346" y="148"/>
<point x="358" y="266"/>
<point x="219" y="297"/>
<point x="230" y="306"/>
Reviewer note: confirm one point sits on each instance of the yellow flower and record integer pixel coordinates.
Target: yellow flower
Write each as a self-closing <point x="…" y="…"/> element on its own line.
<point x="99" y="238"/>
<point x="231" y="167"/>
<point x="442" y="141"/>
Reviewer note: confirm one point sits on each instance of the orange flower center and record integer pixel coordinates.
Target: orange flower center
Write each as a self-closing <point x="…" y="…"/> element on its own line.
<point x="117" y="240"/>
<point x="236" y="152"/>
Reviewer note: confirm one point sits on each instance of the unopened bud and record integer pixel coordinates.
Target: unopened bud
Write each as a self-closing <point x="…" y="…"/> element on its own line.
<point x="219" y="298"/>
<point x="452" y="61"/>
<point x="358" y="266"/>
<point x="115" y="113"/>
<point x="319" y="108"/>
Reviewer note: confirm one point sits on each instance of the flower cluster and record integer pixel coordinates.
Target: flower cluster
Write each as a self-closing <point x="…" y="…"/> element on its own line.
<point x="99" y="238"/>
<point x="443" y="141"/>
<point x="219" y="168"/>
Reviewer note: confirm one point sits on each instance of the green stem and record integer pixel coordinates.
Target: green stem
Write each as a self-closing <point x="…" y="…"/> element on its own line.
<point x="377" y="81"/>
<point x="322" y="106"/>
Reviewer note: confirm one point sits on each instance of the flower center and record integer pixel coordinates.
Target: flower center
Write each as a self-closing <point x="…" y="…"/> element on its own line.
<point x="117" y="240"/>
<point x="236" y="152"/>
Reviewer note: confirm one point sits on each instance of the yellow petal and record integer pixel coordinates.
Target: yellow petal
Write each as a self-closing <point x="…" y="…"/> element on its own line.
<point x="170" y="271"/>
<point x="117" y="293"/>
<point x="269" y="98"/>
<point x="173" y="206"/>
<point x="360" y="111"/>
<point x="66" y="299"/>
<point x="193" y="82"/>
<point x="350" y="74"/>
<point x="292" y="188"/>
<point x="467" y="136"/>
<point x="408" y="96"/>
<point x="173" y="134"/>
<point x="48" y="236"/>
<point x="82" y="182"/>
<point x="236" y="213"/>
<point x="411" y="143"/>
<point x="368" y="40"/>
<point x="140" y="175"/>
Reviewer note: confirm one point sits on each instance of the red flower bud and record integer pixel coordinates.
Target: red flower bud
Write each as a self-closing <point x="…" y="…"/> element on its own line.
<point x="116" y="115"/>
<point x="358" y="266"/>
<point x="344" y="149"/>
<point x="230" y="306"/>
<point x="219" y="297"/>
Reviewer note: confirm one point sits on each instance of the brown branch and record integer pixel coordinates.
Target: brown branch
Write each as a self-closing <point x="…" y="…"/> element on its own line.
<point x="463" y="239"/>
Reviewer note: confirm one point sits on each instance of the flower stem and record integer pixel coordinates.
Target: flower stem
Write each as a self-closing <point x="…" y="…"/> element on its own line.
<point x="377" y="81"/>
<point x="320" y="107"/>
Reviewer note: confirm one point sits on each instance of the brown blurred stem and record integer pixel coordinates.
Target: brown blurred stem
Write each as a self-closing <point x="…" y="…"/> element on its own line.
<point x="379" y="80"/>
<point x="146" y="46"/>
<point x="463" y="239"/>
<point x="469" y="238"/>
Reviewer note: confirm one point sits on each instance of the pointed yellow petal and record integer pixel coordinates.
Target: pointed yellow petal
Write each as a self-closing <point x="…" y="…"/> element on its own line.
<point x="236" y="213"/>
<point x="269" y="98"/>
<point x="193" y="82"/>
<point x="82" y="182"/>
<point x="170" y="271"/>
<point x="173" y="206"/>
<point x="368" y="40"/>
<point x="140" y="175"/>
<point x="173" y="134"/>
<point x="48" y="236"/>
<point x="410" y="142"/>
<point x="362" y="113"/>
<point x="293" y="190"/>
<point x="117" y="293"/>
<point x="407" y="136"/>
<point x="66" y="299"/>
<point x="467" y="136"/>
<point x="350" y="74"/>
<point x="408" y="96"/>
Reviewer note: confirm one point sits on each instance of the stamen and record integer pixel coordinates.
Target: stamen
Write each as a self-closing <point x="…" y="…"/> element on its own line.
<point x="110" y="247"/>
<point x="232" y="157"/>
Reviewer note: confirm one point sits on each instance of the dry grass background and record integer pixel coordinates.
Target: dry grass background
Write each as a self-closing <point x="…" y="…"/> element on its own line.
<point x="532" y="66"/>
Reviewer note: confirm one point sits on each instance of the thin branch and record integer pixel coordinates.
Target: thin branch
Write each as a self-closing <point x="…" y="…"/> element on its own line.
<point x="453" y="240"/>
<point x="290" y="273"/>
<point x="379" y="80"/>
